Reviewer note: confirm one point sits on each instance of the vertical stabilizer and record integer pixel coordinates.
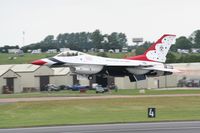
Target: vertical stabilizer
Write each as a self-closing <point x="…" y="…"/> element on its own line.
<point x="158" y="51"/>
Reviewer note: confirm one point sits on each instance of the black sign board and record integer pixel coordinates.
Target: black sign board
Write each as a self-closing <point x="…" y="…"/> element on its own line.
<point x="151" y="112"/>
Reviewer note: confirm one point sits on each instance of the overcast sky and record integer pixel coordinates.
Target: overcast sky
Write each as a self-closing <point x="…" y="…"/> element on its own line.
<point x="136" y="18"/>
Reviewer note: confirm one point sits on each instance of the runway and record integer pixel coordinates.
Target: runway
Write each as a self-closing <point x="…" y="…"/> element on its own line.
<point x="157" y="127"/>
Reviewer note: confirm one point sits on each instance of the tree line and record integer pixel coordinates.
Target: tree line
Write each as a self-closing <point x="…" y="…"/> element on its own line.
<point x="81" y="41"/>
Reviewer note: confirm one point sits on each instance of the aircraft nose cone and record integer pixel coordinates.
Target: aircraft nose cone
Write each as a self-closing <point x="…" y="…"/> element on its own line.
<point x="38" y="62"/>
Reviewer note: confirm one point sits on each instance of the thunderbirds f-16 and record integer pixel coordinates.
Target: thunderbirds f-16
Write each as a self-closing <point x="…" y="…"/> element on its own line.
<point x="149" y="64"/>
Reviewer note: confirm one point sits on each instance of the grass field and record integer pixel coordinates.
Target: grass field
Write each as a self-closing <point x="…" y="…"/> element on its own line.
<point x="24" y="114"/>
<point x="68" y="93"/>
<point x="27" y="58"/>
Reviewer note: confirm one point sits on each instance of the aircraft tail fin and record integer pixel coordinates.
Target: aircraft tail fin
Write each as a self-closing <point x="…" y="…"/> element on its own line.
<point x="157" y="52"/>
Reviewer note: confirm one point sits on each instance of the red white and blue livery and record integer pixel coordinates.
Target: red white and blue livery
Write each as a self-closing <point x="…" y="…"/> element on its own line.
<point x="137" y="67"/>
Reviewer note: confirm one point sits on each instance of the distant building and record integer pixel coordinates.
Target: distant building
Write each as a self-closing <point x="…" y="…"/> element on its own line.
<point x="28" y="77"/>
<point x="52" y="51"/>
<point x="29" y="50"/>
<point x="36" y="51"/>
<point x="84" y="50"/>
<point x="10" y="79"/>
<point x="91" y="50"/>
<point x="117" y="51"/>
<point x="13" y="51"/>
<point x="124" y="50"/>
<point x="195" y="50"/>
<point x="101" y="50"/>
<point x="184" y="51"/>
<point x="61" y="76"/>
<point x="64" y="49"/>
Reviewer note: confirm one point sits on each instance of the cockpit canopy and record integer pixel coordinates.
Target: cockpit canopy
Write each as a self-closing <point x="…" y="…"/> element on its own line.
<point x="70" y="53"/>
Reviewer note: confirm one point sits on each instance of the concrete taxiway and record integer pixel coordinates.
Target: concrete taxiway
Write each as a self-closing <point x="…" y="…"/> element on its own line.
<point x="157" y="127"/>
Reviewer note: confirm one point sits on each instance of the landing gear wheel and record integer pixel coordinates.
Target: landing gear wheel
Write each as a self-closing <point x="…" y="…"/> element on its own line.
<point x="90" y="77"/>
